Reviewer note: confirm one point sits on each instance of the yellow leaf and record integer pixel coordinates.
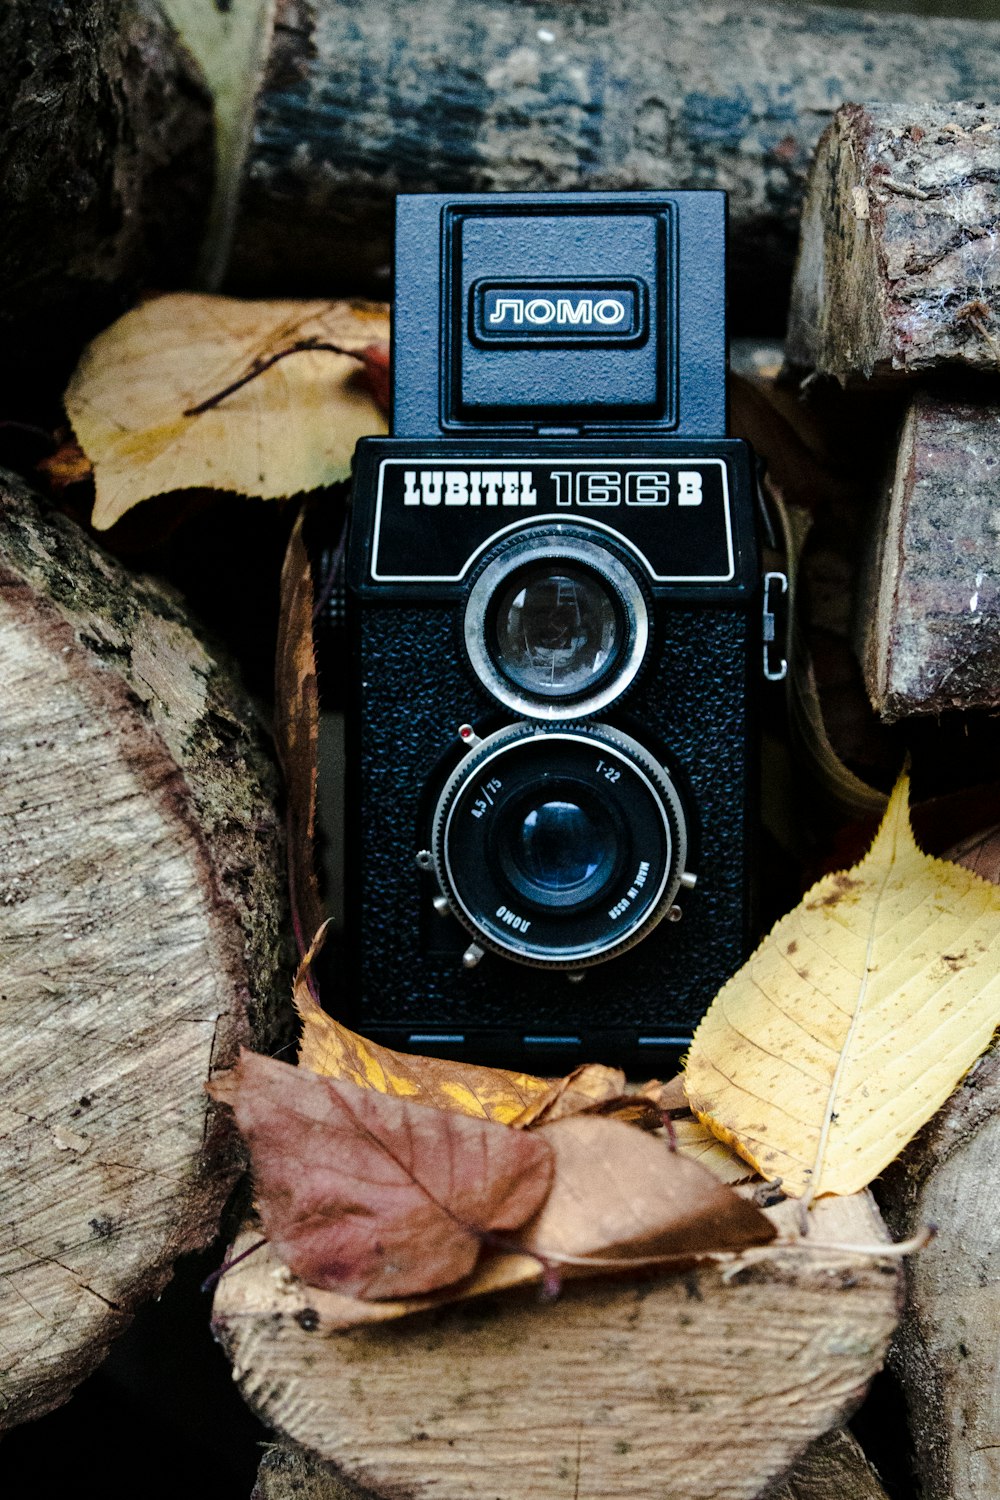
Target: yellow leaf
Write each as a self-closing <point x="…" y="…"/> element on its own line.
<point x="331" y="1049"/>
<point x="855" y="1018"/>
<point x="695" y="1140"/>
<point x="292" y="428"/>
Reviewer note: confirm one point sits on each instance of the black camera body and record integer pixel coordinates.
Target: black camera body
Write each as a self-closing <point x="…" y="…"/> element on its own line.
<point x="554" y="604"/>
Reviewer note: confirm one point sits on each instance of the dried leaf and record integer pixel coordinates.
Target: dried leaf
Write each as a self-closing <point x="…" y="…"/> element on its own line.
<point x="980" y="852"/>
<point x="855" y="1019"/>
<point x="667" y="1097"/>
<point x="329" y="1048"/>
<point x="695" y="1141"/>
<point x="620" y="1195"/>
<point x="375" y="1195"/>
<point x="587" y="1087"/>
<point x="290" y="429"/>
<point x="297" y="731"/>
<point x="67" y="465"/>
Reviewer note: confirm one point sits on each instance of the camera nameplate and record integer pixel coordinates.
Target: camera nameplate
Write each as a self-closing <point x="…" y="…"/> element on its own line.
<point x="673" y="514"/>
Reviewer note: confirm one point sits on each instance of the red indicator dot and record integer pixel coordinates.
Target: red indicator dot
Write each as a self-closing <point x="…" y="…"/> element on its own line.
<point x="465" y="732"/>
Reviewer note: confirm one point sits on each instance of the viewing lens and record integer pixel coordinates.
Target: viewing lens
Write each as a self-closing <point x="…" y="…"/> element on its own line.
<point x="556" y="629"/>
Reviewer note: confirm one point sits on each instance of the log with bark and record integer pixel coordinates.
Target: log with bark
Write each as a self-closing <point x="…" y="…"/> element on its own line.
<point x="718" y="1379"/>
<point x="833" y="1468"/>
<point x="928" y="604"/>
<point x="141" y="939"/>
<point x="946" y="1351"/>
<point x="358" y="103"/>
<point x="105" y="171"/>
<point x="898" y="270"/>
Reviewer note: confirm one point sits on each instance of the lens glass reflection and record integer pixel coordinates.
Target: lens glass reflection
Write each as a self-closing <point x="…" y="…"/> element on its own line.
<point x="560" y="846"/>
<point x="556" y="630"/>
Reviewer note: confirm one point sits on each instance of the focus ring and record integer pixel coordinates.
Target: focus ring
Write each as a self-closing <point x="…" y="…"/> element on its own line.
<point x="611" y="931"/>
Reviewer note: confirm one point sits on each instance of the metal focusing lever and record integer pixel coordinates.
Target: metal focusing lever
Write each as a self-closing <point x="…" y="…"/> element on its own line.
<point x="771" y="672"/>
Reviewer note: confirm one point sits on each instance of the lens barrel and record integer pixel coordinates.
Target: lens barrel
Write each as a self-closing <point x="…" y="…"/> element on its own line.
<point x="559" y="846"/>
<point x="556" y="624"/>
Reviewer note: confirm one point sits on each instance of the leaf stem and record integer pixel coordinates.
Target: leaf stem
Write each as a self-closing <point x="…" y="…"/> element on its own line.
<point x="302" y="346"/>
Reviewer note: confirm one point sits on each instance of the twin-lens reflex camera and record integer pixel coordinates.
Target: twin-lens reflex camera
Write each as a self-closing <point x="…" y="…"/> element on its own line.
<point x="555" y="609"/>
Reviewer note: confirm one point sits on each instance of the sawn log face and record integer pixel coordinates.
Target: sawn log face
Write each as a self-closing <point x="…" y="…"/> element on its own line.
<point x="717" y="1383"/>
<point x="141" y="920"/>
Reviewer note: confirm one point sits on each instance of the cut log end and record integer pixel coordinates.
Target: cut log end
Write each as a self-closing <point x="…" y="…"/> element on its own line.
<point x="141" y="925"/>
<point x="896" y="273"/>
<point x="609" y="1388"/>
<point x="928" y="605"/>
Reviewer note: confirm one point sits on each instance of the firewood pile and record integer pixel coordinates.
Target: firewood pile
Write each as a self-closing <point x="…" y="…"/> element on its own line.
<point x="772" y="1277"/>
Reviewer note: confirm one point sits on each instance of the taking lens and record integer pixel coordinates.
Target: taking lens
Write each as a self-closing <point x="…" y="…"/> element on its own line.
<point x="560" y="846"/>
<point x="556" y="629"/>
<point x="557" y="845"/>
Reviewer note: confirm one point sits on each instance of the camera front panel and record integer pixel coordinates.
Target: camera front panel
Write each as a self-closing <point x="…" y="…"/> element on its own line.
<point x="687" y="710"/>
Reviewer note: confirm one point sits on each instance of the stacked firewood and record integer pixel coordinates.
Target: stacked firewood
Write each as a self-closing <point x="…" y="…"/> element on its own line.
<point x="143" y="918"/>
<point x="895" y="294"/>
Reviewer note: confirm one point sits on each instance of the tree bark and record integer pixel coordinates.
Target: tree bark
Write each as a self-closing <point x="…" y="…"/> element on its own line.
<point x="106" y="134"/>
<point x="946" y="1351"/>
<point x="359" y="103"/>
<point x="898" y="270"/>
<point x="712" y="1385"/>
<point x="928" y="605"/>
<point x="142" y="917"/>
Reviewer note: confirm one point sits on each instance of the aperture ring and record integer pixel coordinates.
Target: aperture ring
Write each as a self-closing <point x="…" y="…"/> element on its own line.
<point x="593" y="765"/>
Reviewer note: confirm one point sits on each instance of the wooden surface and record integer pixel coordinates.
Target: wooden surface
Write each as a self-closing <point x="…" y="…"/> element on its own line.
<point x="928" y="605"/>
<point x="362" y="101"/>
<point x="946" y="1353"/>
<point x="832" y="1468"/>
<point x="105" y="171"/>
<point x="899" y="263"/>
<point x="717" y="1383"/>
<point x="141" y="938"/>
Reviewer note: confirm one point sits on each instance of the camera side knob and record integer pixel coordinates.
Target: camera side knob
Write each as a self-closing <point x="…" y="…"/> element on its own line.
<point x="561" y="845"/>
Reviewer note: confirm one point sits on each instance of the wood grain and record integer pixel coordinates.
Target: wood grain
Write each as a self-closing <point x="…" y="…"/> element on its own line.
<point x="717" y="1381"/>
<point x="141" y="938"/>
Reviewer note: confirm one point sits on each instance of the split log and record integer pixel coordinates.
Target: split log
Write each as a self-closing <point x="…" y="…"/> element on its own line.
<point x="141" y="939"/>
<point x="833" y="1468"/>
<point x="361" y="102"/>
<point x="946" y="1353"/>
<point x="928" y="605"/>
<point x="106" y="137"/>
<point x="716" y="1380"/>
<point x="899" y="261"/>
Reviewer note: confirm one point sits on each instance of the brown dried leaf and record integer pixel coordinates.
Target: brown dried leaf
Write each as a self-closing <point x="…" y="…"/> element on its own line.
<point x="587" y="1087"/>
<point x="620" y="1195"/>
<point x="374" y="1195"/>
<point x="297" y="731"/>
<point x="329" y="1048"/>
<point x="668" y="1097"/>
<point x="290" y="429"/>
<point x="67" y="465"/>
